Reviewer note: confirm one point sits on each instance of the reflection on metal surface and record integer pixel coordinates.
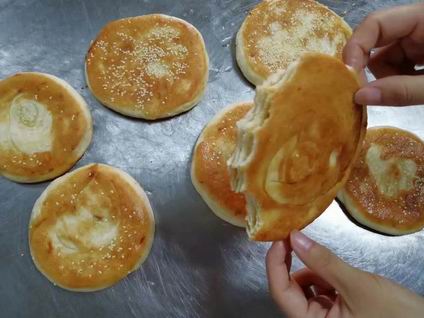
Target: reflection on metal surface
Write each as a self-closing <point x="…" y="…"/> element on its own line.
<point x="199" y="265"/>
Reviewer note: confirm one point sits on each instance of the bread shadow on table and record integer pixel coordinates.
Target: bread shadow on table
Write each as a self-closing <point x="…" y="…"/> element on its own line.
<point x="191" y="227"/>
<point x="214" y="255"/>
<point x="354" y="221"/>
<point x="243" y="303"/>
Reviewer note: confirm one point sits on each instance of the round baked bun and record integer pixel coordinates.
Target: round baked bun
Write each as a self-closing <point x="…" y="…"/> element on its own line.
<point x="150" y="67"/>
<point x="276" y="32"/>
<point x="296" y="147"/>
<point x="385" y="190"/>
<point x="209" y="172"/>
<point x="45" y="127"/>
<point x="90" y="228"/>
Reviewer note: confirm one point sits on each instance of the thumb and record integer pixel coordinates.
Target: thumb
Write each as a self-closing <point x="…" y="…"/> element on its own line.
<point x="393" y="91"/>
<point x="343" y="277"/>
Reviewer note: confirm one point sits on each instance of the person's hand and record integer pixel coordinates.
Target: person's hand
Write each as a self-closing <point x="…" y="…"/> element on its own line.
<point x="397" y="35"/>
<point x="330" y="288"/>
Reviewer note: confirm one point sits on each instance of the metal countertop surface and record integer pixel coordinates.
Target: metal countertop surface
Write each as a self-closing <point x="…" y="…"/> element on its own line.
<point x="199" y="266"/>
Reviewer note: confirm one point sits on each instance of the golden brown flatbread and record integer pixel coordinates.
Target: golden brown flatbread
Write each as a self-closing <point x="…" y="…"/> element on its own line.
<point x="276" y="32"/>
<point x="45" y="127"/>
<point x="90" y="228"/>
<point x="296" y="148"/>
<point x="151" y="66"/>
<point x="385" y="190"/>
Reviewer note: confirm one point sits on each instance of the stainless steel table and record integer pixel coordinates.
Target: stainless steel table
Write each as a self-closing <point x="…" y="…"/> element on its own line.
<point x="199" y="266"/>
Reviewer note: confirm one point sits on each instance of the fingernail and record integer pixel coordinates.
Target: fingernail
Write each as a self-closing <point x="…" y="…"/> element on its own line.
<point x="354" y="63"/>
<point x="300" y="241"/>
<point x="368" y="96"/>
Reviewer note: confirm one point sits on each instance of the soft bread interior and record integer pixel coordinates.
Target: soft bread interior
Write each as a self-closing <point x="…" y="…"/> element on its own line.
<point x="245" y="147"/>
<point x="254" y="221"/>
